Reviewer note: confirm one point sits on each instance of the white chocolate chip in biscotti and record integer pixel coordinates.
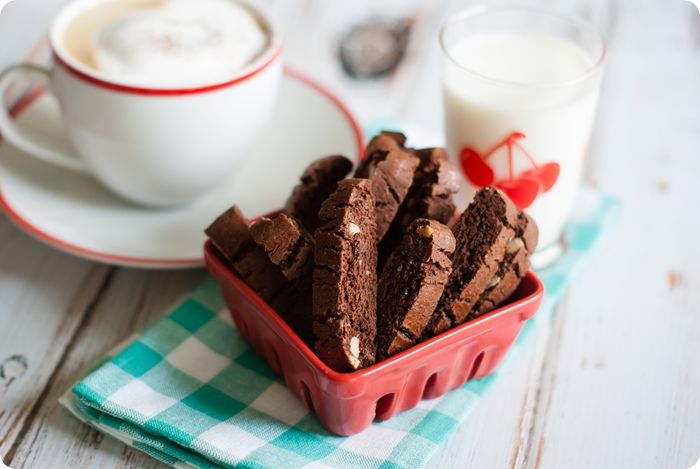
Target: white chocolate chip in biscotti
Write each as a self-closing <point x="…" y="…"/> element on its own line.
<point x="355" y="352"/>
<point x="515" y="245"/>
<point x="494" y="281"/>
<point x="353" y="229"/>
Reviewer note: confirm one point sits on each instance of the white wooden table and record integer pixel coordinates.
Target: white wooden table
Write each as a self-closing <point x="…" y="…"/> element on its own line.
<point x="612" y="380"/>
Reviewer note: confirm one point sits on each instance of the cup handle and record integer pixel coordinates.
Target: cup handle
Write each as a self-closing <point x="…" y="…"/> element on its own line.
<point x="12" y="134"/>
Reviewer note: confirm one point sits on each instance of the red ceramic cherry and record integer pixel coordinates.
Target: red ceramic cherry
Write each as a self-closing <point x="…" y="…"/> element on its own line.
<point x="521" y="190"/>
<point x="475" y="168"/>
<point x="547" y="175"/>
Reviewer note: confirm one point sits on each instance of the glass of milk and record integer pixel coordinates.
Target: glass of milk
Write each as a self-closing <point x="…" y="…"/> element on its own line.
<point x="520" y="90"/>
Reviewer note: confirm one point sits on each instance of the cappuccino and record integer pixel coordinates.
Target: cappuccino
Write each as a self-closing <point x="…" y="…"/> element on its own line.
<point x="167" y="43"/>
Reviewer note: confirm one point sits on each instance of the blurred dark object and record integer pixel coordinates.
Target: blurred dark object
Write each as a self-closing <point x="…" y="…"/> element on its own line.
<point x="374" y="48"/>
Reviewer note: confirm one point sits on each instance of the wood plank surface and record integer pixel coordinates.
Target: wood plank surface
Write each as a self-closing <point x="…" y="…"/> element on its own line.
<point x="45" y="297"/>
<point x="609" y="381"/>
<point x="132" y="300"/>
<point x="625" y="377"/>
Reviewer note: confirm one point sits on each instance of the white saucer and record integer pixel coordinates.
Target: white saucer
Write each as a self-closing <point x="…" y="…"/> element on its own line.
<point x="77" y="215"/>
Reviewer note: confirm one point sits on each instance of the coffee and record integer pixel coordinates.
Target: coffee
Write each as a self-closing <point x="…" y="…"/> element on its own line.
<point x="166" y="42"/>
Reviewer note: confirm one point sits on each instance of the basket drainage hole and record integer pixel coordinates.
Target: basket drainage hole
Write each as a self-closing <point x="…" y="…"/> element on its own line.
<point x="476" y="365"/>
<point x="242" y="327"/>
<point x="306" y="394"/>
<point x="384" y="404"/>
<point x="274" y="360"/>
<point x="430" y="385"/>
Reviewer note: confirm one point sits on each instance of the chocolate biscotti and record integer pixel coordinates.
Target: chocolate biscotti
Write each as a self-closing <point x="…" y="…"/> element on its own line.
<point x="433" y="186"/>
<point x="430" y="196"/>
<point x="288" y="246"/>
<point x="231" y="233"/>
<point x="494" y="240"/>
<point x="505" y="282"/>
<point x="411" y="285"/>
<point x="345" y="278"/>
<point x="364" y="268"/>
<point x="317" y="182"/>
<point x="390" y="167"/>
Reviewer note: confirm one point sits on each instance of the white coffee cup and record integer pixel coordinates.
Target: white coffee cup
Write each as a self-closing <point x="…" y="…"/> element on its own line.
<point x="157" y="146"/>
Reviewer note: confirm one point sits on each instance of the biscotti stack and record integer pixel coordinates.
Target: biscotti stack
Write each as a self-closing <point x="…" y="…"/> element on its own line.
<point x="366" y="267"/>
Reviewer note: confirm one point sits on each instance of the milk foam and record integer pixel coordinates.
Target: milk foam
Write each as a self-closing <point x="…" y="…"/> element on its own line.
<point x="182" y="42"/>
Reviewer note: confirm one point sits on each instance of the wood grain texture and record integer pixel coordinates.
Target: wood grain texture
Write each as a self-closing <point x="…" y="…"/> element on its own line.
<point x="506" y="411"/>
<point x="45" y="296"/>
<point x="132" y="300"/>
<point x="626" y="381"/>
<point x="609" y="381"/>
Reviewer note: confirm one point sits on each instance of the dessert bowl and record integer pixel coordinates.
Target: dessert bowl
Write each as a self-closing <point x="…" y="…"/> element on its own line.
<point x="347" y="403"/>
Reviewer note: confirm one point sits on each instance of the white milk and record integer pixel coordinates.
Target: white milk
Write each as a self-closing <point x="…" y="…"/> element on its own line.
<point x="556" y="121"/>
<point x="179" y="43"/>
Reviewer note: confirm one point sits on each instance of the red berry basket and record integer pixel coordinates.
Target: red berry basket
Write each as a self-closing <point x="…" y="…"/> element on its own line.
<point x="347" y="403"/>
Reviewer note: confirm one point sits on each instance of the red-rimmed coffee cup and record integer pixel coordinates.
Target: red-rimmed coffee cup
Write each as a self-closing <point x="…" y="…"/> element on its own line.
<point x="155" y="146"/>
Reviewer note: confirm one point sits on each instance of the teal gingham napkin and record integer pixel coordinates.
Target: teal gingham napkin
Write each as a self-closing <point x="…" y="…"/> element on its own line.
<point x="190" y="392"/>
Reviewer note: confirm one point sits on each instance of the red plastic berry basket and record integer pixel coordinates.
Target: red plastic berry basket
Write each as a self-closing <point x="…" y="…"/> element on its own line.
<point x="347" y="403"/>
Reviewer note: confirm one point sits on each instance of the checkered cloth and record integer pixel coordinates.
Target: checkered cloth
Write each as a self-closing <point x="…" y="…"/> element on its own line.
<point x="190" y="392"/>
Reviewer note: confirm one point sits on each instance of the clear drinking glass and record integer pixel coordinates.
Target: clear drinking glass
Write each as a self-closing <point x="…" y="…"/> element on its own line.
<point x="520" y="89"/>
